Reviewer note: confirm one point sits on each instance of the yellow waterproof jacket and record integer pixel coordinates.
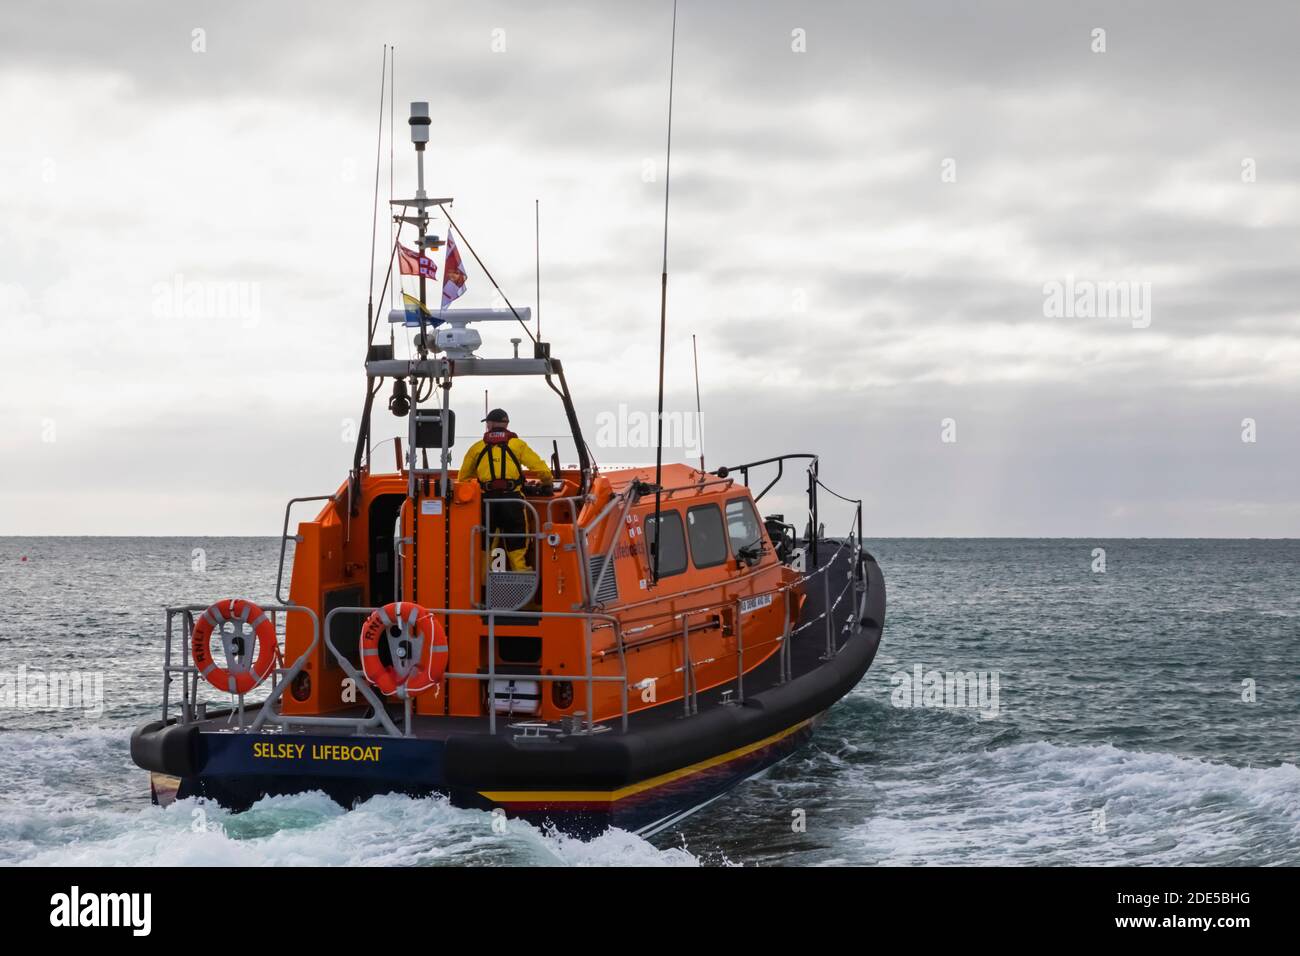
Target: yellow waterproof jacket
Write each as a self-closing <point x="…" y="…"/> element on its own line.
<point x="495" y="462"/>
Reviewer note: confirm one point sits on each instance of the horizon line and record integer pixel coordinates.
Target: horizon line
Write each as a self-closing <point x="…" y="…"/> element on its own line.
<point x="919" y="537"/>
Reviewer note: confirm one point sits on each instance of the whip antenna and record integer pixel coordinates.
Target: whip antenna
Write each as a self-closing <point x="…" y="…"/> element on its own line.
<point x="537" y="252"/>
<point x="699" y="412"/>
<point x="393" y="228"/>
<point x="663" y="299"/>
<point x="374" y="215"/>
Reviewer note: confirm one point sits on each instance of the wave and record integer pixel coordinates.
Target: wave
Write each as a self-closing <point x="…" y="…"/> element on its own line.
<point x="74" y="799"/>
<point x="1043" y="803"/>
<point x="311" y="830"/>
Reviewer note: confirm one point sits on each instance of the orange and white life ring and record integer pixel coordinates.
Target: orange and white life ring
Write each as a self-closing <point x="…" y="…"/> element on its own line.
<point x="252" y="625"/>
<point x="416" y="649"/>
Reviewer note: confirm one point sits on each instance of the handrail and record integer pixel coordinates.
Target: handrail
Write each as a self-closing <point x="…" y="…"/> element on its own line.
<point x="607" y="560"/>
<point x="581" y="539"/>
<point x="853" y="501"/>
<point x="284" y="537"/>
<point x="780" y="461"/>
<point x="804" y="576"/>
<point x="486" y="530"/>
<point x="725" y="603"/>
<point x="698" y="486"/>
<point x="814" y="482"/>
<point x="690" y="691"/>
<point x="491" y="675"/>
<point x="573" y="501"/>
<point x="280" y="676"/>
<point x="286" y="679"/>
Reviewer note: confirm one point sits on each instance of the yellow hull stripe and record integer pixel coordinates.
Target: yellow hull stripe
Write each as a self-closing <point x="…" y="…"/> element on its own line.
<point x="610" y="796"/>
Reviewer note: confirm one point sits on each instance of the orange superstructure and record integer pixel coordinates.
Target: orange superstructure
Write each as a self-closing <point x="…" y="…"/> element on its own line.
<point x="732" y="606"/>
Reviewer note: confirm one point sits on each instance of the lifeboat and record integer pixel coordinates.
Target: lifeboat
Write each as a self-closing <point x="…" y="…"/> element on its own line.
<point x="661" y="639"/>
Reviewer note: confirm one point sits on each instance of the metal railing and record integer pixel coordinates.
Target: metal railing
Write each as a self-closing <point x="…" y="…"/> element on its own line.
<point x="480" y="542"/>
<point x="589" y="678"/>
<point x="280" y="676"/>
<point x="581" y="537"/>
<point x="591" y="588"/>
<point x="284" y="539"/>
<point x="736" y="606"/>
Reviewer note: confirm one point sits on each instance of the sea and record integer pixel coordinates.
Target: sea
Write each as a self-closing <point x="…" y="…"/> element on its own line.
<point x="1034" y="702"/>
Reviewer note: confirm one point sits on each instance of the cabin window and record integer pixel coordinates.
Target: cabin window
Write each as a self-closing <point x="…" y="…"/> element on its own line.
<point x="672" y="560"/>
<point x="708" y="540"/>
<point x="742" y="525"/>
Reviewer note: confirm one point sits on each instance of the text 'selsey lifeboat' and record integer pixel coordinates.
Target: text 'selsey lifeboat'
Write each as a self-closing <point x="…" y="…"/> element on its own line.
<point x="622" y="648"/>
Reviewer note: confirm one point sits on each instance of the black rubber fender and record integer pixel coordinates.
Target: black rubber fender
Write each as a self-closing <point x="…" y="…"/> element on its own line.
<point x="166" y="747"/>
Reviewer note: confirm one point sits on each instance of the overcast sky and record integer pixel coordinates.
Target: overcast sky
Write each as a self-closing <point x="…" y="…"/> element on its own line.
<point x="870" y="205"/>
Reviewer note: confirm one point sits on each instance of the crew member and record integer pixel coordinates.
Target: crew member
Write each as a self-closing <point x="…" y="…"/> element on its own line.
<point x="498" y="462"/>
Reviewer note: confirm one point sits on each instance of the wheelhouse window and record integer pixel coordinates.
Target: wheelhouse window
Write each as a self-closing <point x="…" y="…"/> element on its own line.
<point x="742" y="525"/>
<point x="672" y="559"/>
<point x="708" y="539"/>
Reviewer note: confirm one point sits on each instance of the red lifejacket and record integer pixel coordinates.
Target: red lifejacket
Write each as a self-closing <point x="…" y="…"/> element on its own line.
<point x="499" y="438"/>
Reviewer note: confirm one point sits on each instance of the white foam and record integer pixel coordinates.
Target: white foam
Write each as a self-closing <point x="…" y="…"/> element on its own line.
<point x="75" y="799"/>
<point x="1038" y="803"/>
<point x="305" y="829"/>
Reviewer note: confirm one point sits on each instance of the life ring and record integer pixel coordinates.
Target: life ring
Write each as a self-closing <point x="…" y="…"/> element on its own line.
<point x="242" y="672"/>
<point x="416" y="649"/>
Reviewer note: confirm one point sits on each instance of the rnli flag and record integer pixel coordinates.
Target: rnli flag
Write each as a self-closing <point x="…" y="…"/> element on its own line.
<point x="414" y="264"/>
<point x="453" y="274"/>
<point x="414" y="309"/>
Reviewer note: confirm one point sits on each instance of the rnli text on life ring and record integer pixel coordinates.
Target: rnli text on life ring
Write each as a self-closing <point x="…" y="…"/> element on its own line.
<point x="417" y="649"/>
<point x="243" y="672"/>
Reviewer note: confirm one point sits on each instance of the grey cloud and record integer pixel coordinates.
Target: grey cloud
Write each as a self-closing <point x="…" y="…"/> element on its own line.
<point x="817" y="172"/>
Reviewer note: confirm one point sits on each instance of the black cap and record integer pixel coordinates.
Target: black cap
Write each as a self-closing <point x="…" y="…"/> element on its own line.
<point x="497" y="415"/>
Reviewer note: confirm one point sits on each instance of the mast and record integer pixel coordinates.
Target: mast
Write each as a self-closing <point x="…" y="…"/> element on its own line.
<point x="663" y="305"/>
<point x="419" y="123"/>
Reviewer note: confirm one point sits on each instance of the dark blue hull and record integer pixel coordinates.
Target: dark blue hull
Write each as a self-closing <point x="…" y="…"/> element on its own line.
<point x="238" y="771"/>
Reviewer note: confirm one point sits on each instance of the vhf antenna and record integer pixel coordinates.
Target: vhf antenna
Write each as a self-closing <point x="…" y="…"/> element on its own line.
<point x="663" y="304"/>
<point x="699" y="412"/>
<point x="374" y="215"/>
<point x="537" y="252"/>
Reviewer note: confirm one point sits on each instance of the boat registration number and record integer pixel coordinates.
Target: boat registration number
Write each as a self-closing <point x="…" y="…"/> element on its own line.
<point x="754" y="603"/>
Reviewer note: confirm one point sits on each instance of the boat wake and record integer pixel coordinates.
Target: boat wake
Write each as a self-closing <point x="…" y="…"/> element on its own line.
<point x="882" y="786"/>
<point x="1046" y="804"/>
<point x="75" y="799"/>
<point x="62" y="804"/>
